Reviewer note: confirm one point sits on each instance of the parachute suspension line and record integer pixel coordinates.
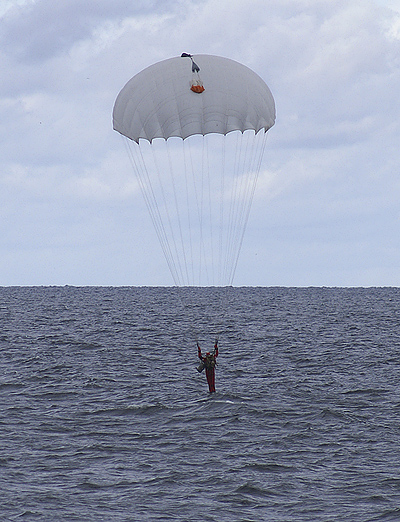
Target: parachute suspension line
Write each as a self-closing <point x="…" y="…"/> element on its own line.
<point x="183" y="269"/>
<point x="202" y="174"/>
<point x="244" y="175"/>
<point x="257" y="157"/>
<point x="221" y="211"/>
<point x="142" y="174"/>
<point x="238" y="198"/>
<point x="233" y="200"/>
<point x="198" y="158"/>
<point x="198" y="182"/>
<point x="166" y="221"/>
<point x="203" y="167"/>
<point x="195" y="165"/>
<point x="192" y="205"/>
<point x="211" y="224"/>
<point x="188" y="168"/>
<point x="244" y="167"/>
<point x="207" y="217"/>
<point x="164" y="199"/>
<point x="184" y="295"/>
<point x="200" y="220"/>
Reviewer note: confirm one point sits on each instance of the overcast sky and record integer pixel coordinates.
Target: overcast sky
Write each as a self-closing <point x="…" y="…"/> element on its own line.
<point x="327" y="207"/>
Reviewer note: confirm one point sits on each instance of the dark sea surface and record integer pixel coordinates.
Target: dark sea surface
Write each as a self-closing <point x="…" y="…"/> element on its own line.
<point x="103" y="416"/>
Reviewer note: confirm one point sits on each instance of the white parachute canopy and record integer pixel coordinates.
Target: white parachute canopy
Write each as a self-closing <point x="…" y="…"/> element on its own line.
<point x="196" y="129"/>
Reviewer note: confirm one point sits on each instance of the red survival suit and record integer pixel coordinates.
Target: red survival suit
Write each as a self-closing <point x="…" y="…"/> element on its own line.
<point x="209" y="364"/>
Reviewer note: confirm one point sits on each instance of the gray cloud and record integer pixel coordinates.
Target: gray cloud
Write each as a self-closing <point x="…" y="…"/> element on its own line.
<point x="39" y="31"/>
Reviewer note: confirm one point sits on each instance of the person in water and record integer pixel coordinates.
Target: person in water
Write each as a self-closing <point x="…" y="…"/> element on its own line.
<point x="208" y="362"/>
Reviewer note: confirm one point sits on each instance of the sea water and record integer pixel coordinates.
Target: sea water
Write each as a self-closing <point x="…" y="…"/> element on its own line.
<point x="103" y="415"/>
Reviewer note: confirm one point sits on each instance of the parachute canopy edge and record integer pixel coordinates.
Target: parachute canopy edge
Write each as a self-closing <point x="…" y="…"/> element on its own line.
<point x="194" y="134"/>
<point x="158" y="103"/>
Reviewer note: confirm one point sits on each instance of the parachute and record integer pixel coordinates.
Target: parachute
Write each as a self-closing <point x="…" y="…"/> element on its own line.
<point x="196" y="132"/>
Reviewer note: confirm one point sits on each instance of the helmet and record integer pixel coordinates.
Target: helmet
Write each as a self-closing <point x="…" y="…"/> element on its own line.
<point x="208" y="354"/>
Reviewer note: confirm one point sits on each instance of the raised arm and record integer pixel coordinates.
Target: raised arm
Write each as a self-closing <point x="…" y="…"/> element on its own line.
<point x="199" y="351"/>
<point x="216" y="348"/>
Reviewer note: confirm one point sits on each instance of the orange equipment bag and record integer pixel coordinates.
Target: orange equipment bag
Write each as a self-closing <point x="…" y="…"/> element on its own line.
<point x="197" y="87"/>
